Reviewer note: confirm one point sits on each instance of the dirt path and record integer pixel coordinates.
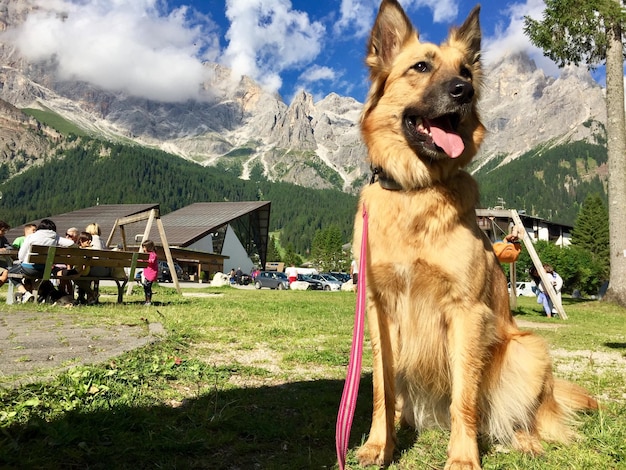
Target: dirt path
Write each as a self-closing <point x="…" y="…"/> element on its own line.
<point x="538" y="326"/>
<point x="38" y="344"/>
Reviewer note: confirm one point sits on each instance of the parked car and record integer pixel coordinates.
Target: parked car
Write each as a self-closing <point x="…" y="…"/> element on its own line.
<point x="166" y="276"/>
<point x="526" y="288"/>
<point x="272" y="280"/>
<point x="343" y="277"/>
<point x="164" y="273"/>
<point x="314" y="284"/>
<point x="328" y="281"/>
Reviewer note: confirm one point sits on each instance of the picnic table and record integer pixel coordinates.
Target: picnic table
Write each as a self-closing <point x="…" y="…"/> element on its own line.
<point x="117" y="261"/>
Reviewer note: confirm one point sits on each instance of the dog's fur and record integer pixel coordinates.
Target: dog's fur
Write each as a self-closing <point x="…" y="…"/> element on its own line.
<point x="446" y="349"/>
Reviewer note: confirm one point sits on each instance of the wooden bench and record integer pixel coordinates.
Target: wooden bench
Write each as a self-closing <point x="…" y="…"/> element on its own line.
<point x="74" y="256"/>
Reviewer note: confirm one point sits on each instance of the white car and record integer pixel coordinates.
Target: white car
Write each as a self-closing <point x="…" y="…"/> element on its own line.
<point x="328" y="282"/>
<point x="524" y="288"/>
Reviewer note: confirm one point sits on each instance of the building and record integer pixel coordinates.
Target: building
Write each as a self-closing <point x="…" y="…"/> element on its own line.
<point x="238" y="230"/>
<point x="496" y="224"/>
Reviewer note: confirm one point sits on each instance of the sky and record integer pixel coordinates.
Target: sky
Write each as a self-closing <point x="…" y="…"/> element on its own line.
<point x="156" y="48"/>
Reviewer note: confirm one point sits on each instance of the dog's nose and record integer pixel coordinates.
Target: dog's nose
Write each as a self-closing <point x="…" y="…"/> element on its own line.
<point x="460" y="90"/>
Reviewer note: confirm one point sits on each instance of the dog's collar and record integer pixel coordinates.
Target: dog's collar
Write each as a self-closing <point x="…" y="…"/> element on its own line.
<point x="385" y="181"/>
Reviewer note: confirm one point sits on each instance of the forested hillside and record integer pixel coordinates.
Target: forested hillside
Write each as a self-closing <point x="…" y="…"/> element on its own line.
<point x="96" y="172"/>
<point x="551" y="183"/>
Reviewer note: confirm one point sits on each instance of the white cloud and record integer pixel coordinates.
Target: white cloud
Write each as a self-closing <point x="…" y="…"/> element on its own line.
<point x="511" y="39"/>
<point x="315" y="80"/>
<point x="444" y="11"/>
<point x="316" y="73"/>
<point x="122" y="45"/>
<point x="268" y="37"/>
<point x="357" y="16"/>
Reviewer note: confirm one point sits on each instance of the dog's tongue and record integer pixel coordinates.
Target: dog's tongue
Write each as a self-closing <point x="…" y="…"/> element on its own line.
<point x="450" y="142"/>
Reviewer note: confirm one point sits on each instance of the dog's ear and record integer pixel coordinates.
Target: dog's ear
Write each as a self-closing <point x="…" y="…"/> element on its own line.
<point x="391" y="29"/>
<point x="468" y="35"/>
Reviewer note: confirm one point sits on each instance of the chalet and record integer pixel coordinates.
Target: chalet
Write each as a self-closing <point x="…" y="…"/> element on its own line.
<point x="496" y="223"/>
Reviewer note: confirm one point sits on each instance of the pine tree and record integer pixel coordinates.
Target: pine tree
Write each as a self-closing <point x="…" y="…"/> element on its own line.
<point x="327" y="253"/>
<point x="591" y="231"/>
<point x="272" y="251"/>
<point x="291" y="257"/>
<point x="574" y="31"/>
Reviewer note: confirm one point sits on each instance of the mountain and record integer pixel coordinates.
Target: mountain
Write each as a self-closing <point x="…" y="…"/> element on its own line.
<point x="93" y="172"/>
<point x="552" y="182"/>
<point x="523" y="109"/>
<point x="242" y="129"/>
<point x="22" y="139"/>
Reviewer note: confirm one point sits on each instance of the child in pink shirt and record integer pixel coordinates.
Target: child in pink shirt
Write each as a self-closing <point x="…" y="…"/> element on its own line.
<point x="150" y="272"/>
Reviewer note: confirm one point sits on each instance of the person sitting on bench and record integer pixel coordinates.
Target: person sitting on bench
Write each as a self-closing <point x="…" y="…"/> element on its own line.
<point x="46" y="235"/>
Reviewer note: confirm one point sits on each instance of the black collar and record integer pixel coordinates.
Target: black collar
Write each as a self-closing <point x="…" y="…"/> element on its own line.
<point x="385" y="181"/>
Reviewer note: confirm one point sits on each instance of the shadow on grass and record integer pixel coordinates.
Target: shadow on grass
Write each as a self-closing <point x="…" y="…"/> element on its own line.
<point x="574" y="301"/>
<point x="615" y="345"/>
<point x="537" y="309"/>
<point x="286" y="426"/>
<point x="528" y="312"/>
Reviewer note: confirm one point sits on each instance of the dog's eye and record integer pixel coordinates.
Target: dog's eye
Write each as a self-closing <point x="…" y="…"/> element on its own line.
<point x="465" y="73"/>
<point x="421" y="67"/>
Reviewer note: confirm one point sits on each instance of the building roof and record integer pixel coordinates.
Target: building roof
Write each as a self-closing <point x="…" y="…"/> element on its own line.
<point x="182" y="227"/>
<point x="191" y="223"/>
<point x="496" y="224"/>
<point x="196" y="221"/>
<point x="104" y="215"/>
<point x="527" y="220"/>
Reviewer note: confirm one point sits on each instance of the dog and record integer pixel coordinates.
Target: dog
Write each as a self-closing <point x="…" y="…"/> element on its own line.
<point x="446" y="348"/>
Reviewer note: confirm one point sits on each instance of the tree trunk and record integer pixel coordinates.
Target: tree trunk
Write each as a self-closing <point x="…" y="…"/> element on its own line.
<point x="616" y="148"/>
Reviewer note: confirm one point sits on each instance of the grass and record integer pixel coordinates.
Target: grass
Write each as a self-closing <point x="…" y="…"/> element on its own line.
<point x="252" y="379"/>
<point x="54" y="120"/>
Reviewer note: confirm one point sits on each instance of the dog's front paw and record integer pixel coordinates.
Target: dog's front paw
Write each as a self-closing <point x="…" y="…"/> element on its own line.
<point x="461" y="465"/>
<point x="374" y="454"/>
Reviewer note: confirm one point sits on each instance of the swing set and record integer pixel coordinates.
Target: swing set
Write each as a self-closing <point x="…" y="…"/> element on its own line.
<point x="508" y="254"/>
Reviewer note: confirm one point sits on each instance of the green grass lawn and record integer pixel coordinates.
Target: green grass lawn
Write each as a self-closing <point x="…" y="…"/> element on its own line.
<point x="249" y="379"/>
<point x="54" y="120"/>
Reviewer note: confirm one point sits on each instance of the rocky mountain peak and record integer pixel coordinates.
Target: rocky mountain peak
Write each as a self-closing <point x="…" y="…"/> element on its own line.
<point x="294" y="129"/>
<point x="516" y="63"/>
<point x="523" y="108"/>
<point x="318" y="144"/>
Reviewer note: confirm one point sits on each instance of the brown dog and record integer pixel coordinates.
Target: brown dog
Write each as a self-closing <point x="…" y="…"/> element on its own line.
<point x="446" y="349"/>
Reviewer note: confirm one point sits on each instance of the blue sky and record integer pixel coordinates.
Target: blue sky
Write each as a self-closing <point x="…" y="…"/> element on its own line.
<point x="333" y="36"/>
<point x="155" y="48"/>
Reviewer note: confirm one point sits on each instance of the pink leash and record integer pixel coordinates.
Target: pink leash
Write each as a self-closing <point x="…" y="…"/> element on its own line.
<point x="351" y="386"/>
